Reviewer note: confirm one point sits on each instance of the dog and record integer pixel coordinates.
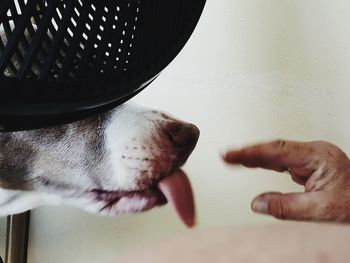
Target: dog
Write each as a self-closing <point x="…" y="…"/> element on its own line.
<point x="109" y="164"/>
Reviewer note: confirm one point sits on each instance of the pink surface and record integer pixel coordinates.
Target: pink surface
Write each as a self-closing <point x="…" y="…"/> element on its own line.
<point x="287" y="243"/>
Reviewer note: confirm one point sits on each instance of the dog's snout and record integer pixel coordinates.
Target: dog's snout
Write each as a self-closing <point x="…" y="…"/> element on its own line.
<point x="183" y="136"/>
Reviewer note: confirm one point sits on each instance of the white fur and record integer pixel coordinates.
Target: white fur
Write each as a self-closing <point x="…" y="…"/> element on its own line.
<point x="14" y="202"/>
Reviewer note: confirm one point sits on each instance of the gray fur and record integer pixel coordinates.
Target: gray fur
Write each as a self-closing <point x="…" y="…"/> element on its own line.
<point x="19" y="150"/>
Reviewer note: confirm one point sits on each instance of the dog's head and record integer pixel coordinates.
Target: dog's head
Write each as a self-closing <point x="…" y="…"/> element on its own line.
<point x="108" y="164"/>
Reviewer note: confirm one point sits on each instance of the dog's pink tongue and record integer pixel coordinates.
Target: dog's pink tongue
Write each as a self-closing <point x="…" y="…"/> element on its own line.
<point x="178" y="191"/>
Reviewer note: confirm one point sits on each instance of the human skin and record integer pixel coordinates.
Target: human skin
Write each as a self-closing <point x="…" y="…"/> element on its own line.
<point x="321" y="167"/>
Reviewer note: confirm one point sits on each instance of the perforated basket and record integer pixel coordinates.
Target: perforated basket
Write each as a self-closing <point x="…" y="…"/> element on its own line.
<point x="62" y="60"/>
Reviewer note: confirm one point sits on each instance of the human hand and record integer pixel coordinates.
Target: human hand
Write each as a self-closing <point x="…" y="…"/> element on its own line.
<point x="321" y="167"/>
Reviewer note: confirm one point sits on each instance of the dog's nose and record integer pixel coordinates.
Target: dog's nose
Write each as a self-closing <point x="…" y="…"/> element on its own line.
<point x="183" y="135"/>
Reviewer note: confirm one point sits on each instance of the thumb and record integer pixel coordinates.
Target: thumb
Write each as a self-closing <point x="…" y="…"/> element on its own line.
<point x="293" y="206"/>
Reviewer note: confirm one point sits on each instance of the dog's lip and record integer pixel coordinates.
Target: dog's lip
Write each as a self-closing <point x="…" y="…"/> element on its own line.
<point x="174" y="188"/>
<point x="148" y="191"/>
<point x="110" y="196"/>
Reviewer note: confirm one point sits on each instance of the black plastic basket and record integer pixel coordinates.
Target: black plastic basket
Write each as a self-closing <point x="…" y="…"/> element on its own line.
<point x="63" y="60"/>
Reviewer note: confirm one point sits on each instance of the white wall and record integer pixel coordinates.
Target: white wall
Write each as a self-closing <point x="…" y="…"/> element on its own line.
<point x="254" y="70"/>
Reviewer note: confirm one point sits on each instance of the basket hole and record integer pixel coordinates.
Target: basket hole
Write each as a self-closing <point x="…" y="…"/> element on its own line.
<point x="70" y="32"/>
<point x="55" y="26"/>
<point x="59" y="13"/>
<point x="76" y="11"/>
<point x="73" y="22"/>
<point x="18" y="8"/>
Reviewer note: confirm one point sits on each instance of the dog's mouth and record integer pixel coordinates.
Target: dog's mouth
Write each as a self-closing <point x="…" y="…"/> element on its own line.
<point x="174" y="188"/>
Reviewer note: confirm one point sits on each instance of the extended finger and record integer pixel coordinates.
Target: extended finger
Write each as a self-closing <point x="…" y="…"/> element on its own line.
<point x="278" y="155"/>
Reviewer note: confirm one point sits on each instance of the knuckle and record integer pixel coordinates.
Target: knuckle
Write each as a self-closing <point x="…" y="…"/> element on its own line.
<point x="278" y="209"/>
<point x="280" y="147"/>
<point x="332" y="153"/>
<point x="320" y="142"/>
<point x="280" y="144"/>
<point x="328" y="147"/>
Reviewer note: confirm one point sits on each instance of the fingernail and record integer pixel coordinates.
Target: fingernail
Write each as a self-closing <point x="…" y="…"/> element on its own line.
<point x="222" y="155"/>
<point x="260" y="206"/>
